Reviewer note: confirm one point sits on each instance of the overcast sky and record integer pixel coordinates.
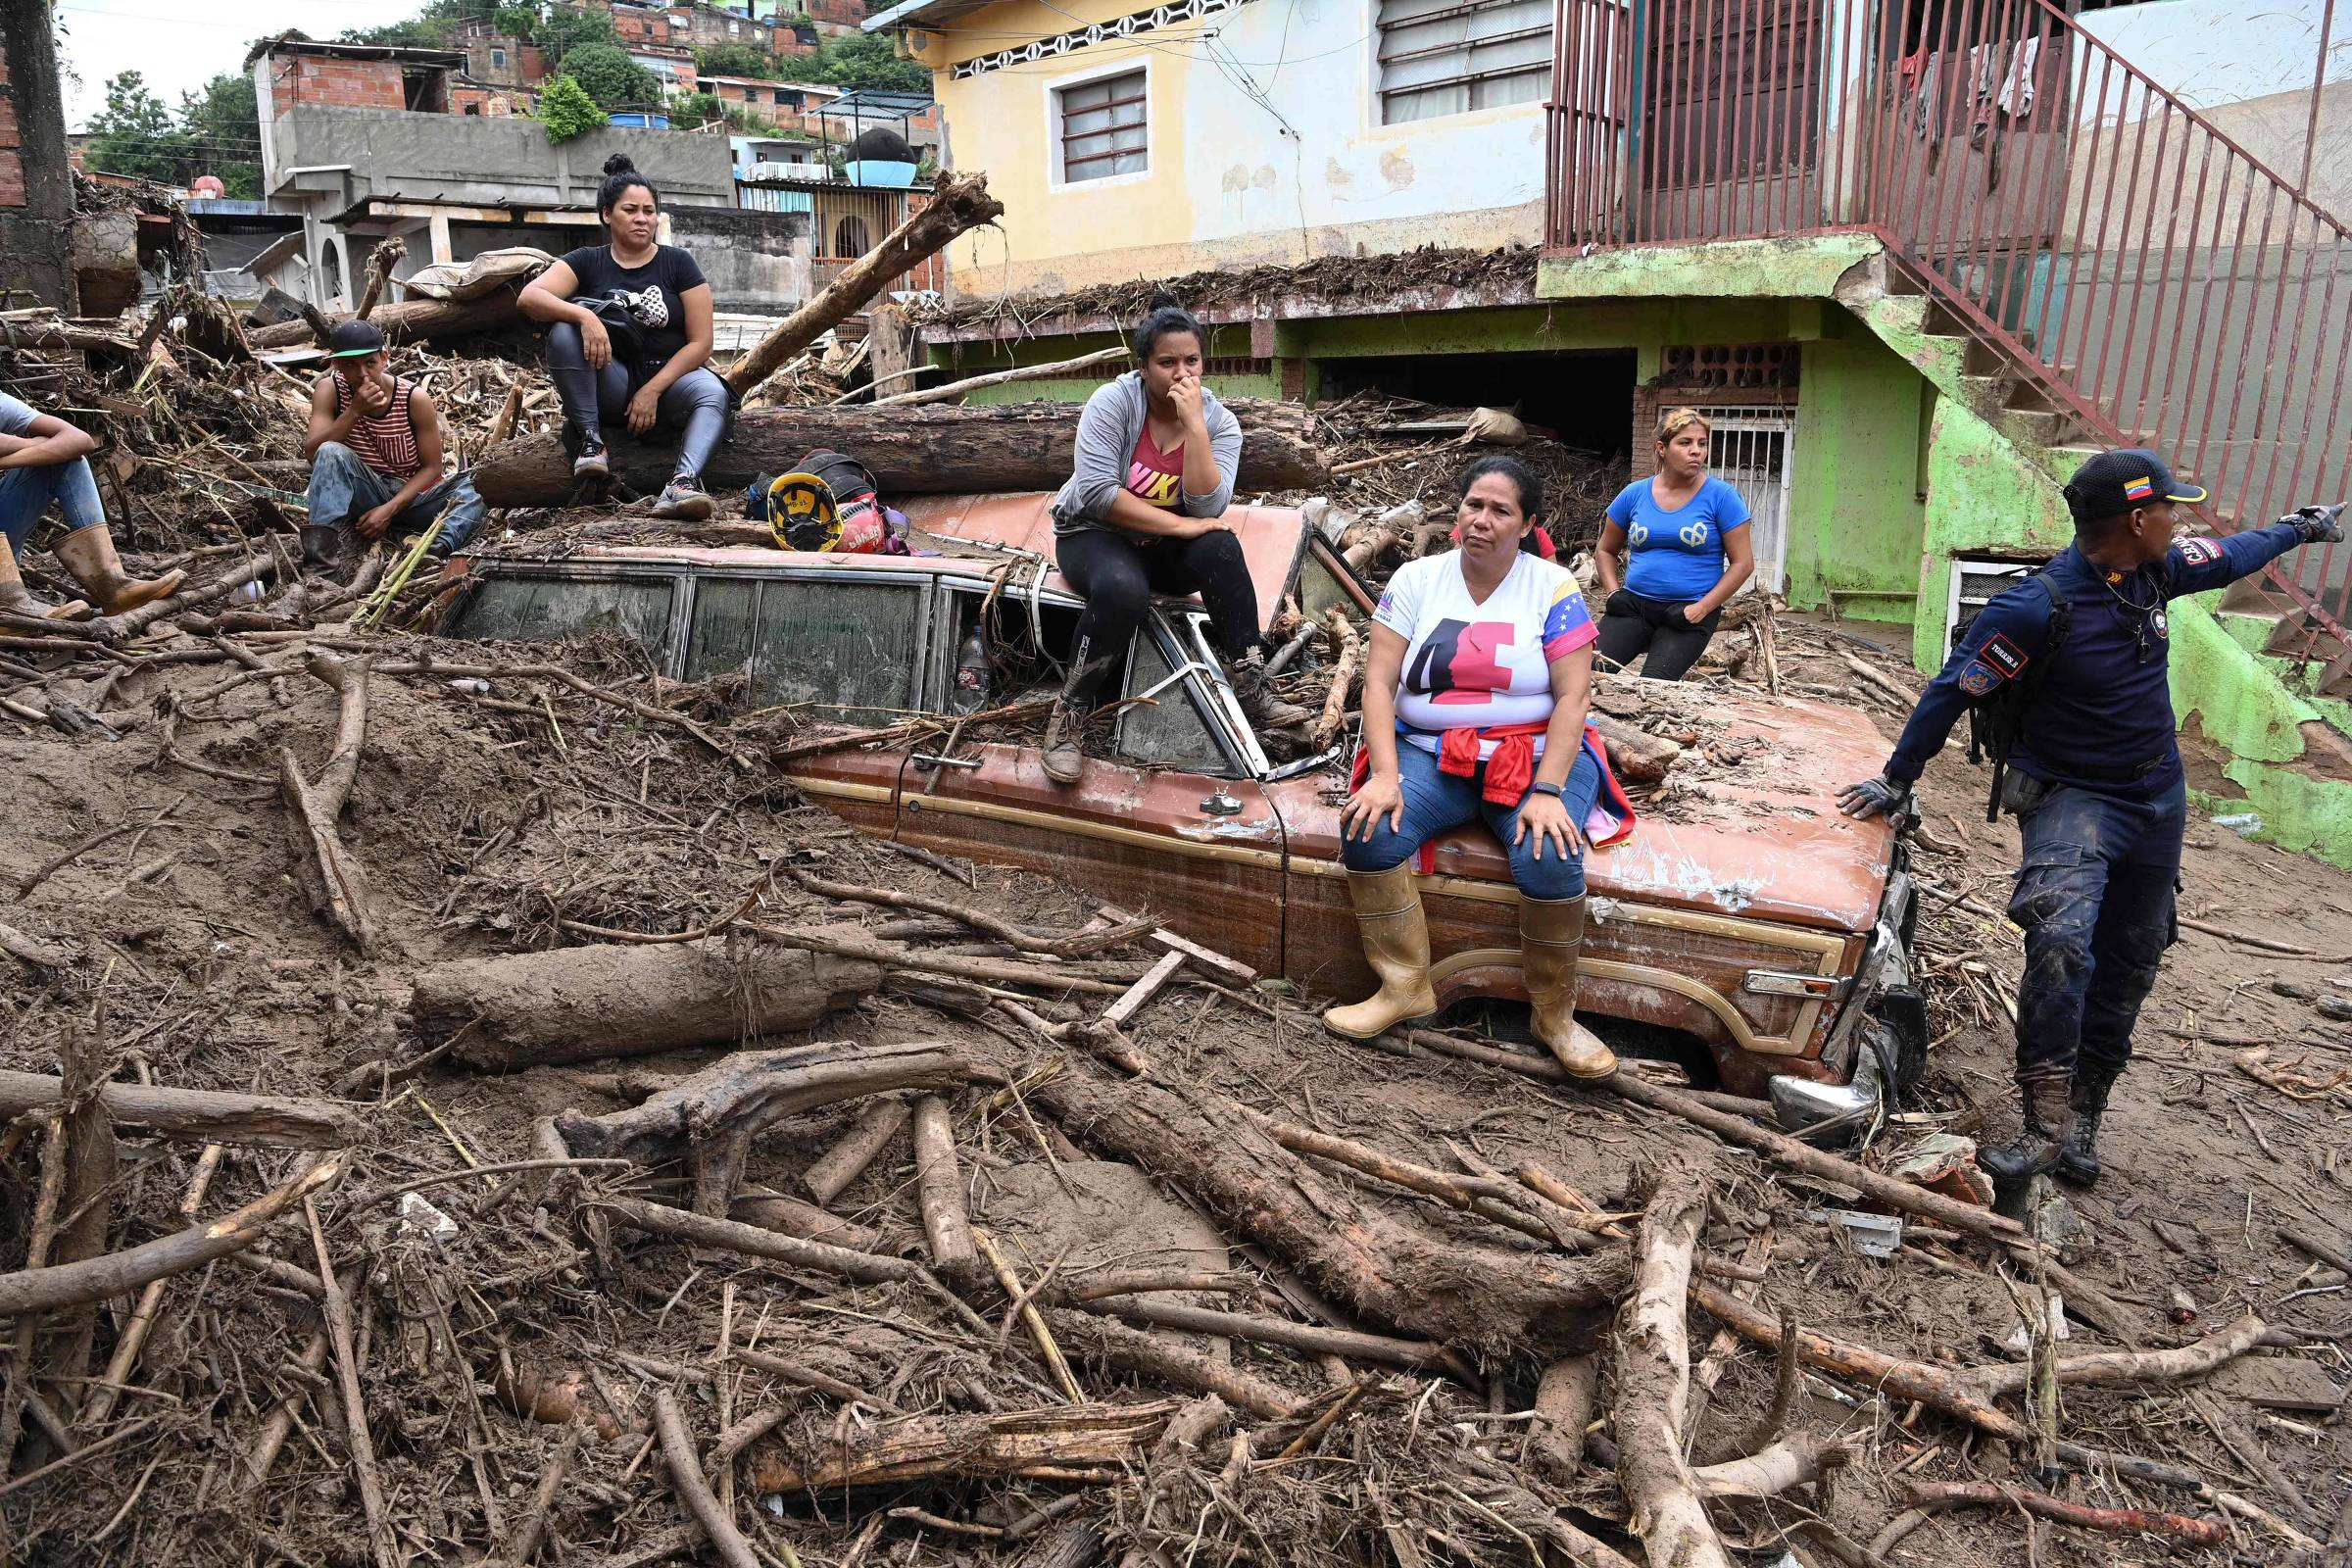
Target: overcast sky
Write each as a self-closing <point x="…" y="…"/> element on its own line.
<point x="179" y="44"/>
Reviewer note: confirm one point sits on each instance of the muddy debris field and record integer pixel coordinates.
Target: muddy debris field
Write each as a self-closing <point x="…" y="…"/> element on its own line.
<point x="462" y="1105"/>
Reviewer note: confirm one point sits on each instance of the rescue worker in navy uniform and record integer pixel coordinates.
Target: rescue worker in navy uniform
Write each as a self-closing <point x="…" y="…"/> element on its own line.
<point x="2094" y="778"/>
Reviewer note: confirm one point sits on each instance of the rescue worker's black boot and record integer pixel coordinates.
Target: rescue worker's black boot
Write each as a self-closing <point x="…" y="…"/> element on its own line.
<point x="2078" y="1150"/>
<point x="2048" y="1116"/>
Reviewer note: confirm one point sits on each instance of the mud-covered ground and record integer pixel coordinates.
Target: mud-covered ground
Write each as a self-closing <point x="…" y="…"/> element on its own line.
<point x="487" y="821"/>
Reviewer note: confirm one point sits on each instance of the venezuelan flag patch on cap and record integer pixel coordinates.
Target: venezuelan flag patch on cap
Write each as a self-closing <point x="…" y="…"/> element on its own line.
<point x="2142" y="488"/>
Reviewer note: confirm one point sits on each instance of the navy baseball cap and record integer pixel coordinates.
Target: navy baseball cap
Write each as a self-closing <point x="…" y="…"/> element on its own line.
<point x="348" y="340"/>
<point x="2115" y="482"/>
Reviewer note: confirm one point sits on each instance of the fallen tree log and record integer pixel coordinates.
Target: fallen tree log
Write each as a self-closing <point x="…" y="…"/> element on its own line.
<point x="258" y="1121"/>
<point x="750" y="1091"/>
<point x="678" y="1224"/>
<point x="966" y="1445"/>
<point x="1424" y="1283"/>
<point x="958" y="202"/>
<point x="1305" y="1337"/>
<point x="96" y="1279"/>
<point x="408" y="321"/>
<point x="929" y="451"/>
<point x="625" y="999"/>
<point x="1934" y="1494"/>
<point x="1162" y="1358"/>
<point x="2129" y="1367"/>
<point x="1654" y="1379"/>
<point x="1635" y="755"/>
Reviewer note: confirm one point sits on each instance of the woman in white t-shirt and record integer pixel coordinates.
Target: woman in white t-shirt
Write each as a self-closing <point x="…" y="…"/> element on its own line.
<point x="1474" y="709"/>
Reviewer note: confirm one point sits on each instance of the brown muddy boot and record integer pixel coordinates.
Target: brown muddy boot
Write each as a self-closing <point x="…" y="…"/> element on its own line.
<point x="17" y="600"/>
<point x="2048" y="1119"/>
<point x="1552" y="933"/>
<point x="1064" y="761"/>
<point x="89" y="555"/>
<point x="1256" y="693"/>
<point x="1395" y="938"/>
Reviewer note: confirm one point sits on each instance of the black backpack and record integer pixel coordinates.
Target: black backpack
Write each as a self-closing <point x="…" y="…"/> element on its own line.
<point x="1996" y="722"/>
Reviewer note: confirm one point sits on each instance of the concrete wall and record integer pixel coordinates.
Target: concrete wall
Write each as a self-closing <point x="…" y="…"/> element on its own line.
<point x="1249" y="163"/>
<point x="757" y="262"/>
<point x="36" y="192"/>
<point x="485" y="161"/>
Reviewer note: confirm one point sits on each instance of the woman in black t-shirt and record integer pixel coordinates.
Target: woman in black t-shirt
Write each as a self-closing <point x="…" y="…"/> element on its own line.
<point x="629" y="335"/>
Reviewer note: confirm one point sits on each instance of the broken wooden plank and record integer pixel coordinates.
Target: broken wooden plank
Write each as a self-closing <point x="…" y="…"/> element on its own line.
<point x="1115" y="1015"/>
<point x="1208" y="961"/>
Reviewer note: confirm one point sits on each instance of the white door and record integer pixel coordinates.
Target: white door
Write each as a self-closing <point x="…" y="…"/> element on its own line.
<point x="1753" y="451"/>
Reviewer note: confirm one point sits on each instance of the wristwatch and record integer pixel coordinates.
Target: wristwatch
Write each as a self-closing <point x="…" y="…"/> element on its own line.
<point x="1552" y="790"/>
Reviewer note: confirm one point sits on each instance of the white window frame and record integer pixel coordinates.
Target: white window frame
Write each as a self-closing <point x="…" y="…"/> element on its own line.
<point x="498" y="59"/>
<point x="1376" y="101"/>
<point x="1054" y="89"/>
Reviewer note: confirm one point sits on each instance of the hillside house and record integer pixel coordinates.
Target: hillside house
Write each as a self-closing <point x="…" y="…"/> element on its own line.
<point x="1922" y="258"/>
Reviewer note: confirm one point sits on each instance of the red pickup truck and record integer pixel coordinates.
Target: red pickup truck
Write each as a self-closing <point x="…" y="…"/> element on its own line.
<point x="1743" y="913"/>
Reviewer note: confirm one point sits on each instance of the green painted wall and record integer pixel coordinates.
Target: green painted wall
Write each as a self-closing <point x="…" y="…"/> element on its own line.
<point x="1855" y="511"/>
<point x="2236" y="699"/>
<point x="1980" y="498"/>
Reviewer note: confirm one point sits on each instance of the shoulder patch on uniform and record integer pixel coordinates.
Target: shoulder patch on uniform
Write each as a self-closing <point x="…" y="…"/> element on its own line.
<point x="2003" y="655"/>
<point x="2198" y="552"/>
<point x="1978" y="678"/>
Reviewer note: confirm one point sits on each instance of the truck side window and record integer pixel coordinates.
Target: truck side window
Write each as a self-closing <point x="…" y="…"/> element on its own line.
<point x="544" y="609"/>
<point x="848" y="650"/>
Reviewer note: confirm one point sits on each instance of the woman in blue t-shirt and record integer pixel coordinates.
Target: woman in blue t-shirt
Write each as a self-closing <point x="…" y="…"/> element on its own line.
<point x="1684" y="535"/>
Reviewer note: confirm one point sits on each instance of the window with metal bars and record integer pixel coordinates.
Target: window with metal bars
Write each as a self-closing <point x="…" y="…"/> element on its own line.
<point x="1103" y="129"/>
<point x="1449" y="57"/>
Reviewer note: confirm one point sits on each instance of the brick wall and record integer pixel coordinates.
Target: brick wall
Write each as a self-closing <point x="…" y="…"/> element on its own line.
<point x="641" y="27"/>
<point x="322" y="79"/>
<point x="850" y="14"/>
<point x="12" y="140"/>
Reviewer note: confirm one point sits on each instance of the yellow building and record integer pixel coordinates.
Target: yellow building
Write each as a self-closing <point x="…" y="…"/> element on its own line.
<point x="1152" y="142"/>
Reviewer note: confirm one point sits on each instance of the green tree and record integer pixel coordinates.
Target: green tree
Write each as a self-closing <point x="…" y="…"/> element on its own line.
<point x="133" y="134"/>
<point x="611" y="76"/>
<point x="735" y="60"/>
<point x="566" y="110"/>
<point x="568" y="27"/>
<point x="693" y="108"/>
<point x="223" y="127"/>
<point x="867" y="59"/>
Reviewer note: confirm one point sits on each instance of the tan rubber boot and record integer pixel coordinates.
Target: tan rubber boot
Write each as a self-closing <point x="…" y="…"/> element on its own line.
<point x="17" y="600"/>
<point x="1552" y="933"/>
<point x="89" y="555"/>
<point x="1395" y="938"/>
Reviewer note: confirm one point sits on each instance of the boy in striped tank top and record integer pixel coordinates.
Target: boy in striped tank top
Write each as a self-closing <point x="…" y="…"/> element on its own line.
<point x="375" y="446"/>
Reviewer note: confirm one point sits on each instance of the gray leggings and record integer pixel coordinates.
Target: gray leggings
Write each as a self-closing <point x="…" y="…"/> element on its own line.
<point x="697" y="400"/>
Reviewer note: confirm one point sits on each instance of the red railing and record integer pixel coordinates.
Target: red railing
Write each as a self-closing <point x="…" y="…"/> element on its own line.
<point x="2111" y="253"/>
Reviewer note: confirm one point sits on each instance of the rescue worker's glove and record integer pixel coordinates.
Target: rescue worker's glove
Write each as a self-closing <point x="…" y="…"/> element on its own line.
<point x="1874" y="797"/>
<point x="2319" y="526"/>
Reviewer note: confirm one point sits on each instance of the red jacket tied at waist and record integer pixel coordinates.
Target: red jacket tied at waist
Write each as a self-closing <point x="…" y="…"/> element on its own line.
<point x="1509" y="771"/>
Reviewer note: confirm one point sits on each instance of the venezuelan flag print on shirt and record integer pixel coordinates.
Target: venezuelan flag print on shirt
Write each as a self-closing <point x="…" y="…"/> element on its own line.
<point x="1479" y="665"/>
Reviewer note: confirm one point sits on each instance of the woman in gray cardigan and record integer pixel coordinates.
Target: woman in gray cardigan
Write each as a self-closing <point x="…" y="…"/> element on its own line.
<point x="1144" y="512"/>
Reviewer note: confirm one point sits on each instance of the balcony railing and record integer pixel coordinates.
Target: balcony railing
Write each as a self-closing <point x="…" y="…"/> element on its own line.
<point x="2099" y="239"/>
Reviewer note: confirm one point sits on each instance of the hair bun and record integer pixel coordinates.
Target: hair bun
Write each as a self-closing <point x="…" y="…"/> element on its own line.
<point x="1163" y="300"/>
<point x="620" y="164"/>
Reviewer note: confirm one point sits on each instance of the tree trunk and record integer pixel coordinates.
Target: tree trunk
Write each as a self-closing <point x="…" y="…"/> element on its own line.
<point x="932" y="451"/>
<point x="625" y="1000"/>
<point x="1418" y="1280"/>
<point x="753" y="1089"/>
<point x="408" y="321"/>
<point x="1653" y="1382"/>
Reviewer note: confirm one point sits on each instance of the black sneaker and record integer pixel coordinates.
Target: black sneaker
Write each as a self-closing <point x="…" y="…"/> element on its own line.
<point x="592" y="462"/>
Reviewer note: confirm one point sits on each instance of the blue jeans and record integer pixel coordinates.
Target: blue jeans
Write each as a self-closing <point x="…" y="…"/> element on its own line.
<point x="1436" y="802"/>
<point x="2094" y="895"/>
<point x="26" y="494"/>
<point x="343" y="486"/>
<point x="697" y="401"/>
